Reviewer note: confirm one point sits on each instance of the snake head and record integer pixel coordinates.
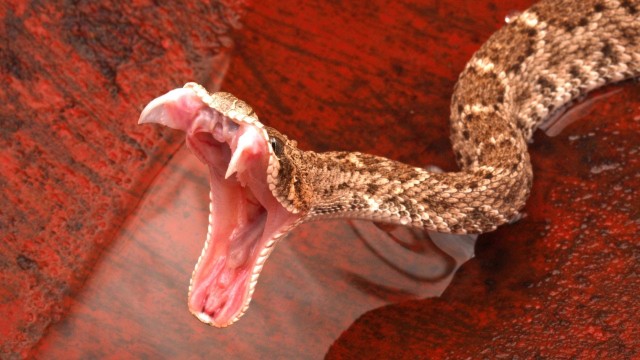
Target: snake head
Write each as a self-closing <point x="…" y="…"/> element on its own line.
<point x="246" y="219"/>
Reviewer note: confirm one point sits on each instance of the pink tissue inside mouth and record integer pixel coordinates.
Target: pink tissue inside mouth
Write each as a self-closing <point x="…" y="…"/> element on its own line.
<point x="244" y="217"/>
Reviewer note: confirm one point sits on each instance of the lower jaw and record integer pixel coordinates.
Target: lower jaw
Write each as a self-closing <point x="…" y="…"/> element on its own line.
<point x="231" y="299"/>
<point x="234" y="254"/>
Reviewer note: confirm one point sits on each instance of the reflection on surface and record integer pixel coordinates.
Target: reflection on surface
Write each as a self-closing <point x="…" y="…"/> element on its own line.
<point x="575" y="110"/>
<point x="412" y="263"/>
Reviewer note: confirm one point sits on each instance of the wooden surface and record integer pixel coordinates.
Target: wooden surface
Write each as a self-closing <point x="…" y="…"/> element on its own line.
<point x="102" y="220"/>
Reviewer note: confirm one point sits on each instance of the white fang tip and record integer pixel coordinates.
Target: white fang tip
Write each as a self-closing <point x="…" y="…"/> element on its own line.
<point x="244" y="144"/>
<point x="233" y="163"/>
<point x="204" y="318"/>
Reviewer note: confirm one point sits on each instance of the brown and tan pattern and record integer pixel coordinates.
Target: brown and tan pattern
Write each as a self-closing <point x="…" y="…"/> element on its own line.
<point x="550" y="54"/>
<point x="545" y="57"/>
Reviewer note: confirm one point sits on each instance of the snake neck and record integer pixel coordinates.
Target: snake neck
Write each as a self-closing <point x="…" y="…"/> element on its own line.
<point x="356" y="185"/>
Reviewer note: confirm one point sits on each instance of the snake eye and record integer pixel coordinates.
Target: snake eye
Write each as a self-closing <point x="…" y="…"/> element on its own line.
<point x="276" y="146"/>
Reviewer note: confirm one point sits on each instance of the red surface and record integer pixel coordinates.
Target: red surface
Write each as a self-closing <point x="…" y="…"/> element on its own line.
<point x="562" y="282"/>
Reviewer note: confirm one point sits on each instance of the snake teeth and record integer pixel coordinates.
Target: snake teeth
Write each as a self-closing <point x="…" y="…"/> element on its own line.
<point x="244" y="148"/>
<point x="233" y="164"/>
<point x="172" y="109"/>
<point x="204" y="318"/>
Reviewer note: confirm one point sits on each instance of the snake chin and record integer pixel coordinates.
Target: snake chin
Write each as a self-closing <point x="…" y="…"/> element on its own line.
<point x="245" y="220"/>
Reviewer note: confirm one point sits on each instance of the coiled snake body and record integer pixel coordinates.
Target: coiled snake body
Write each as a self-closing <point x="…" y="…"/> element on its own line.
<point x="263" y="185"/>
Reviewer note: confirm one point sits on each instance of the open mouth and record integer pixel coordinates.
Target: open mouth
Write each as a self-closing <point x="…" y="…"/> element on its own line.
<point x="245" y="219"/>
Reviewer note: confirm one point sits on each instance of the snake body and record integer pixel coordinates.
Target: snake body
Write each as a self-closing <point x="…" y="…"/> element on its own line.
<point x="548" y="55"/>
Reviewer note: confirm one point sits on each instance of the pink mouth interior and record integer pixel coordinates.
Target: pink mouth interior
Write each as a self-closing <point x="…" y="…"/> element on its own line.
<point x="245" y="218"/>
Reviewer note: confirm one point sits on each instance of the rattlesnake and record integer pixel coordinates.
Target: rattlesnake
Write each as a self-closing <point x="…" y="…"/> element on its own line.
<point x="262" y="185"/>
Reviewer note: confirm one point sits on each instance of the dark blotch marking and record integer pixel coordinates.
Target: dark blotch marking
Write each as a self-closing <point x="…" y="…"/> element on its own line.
<point x="489" y="146"/>
<point x="11" y="63"/>
<point x="458" y="155"/>
<point x="556" y="60"/>
<point x="26" y="263"/>
<point x="607" y="51"/>
<point x="631" y="8"/>
<point x="430" y="201"/>
<point x="569" y="26"/>
<point x="545" y="83"/>
<point x="297" y="186"/>
<point x="514" y="68"/>
<point x="599" y="7"/>
<point x="495" y="57"/>
<point x="10" y="125"/>
<point x="476" y="215"/>
<point x="472" y="70"/>
<point x="12" y="59"/>
<point x="469" y="117"/>
<point x="488" y="176"/>
<point x="372" y="188"/>
<point x="529" y="50"/>
<point x="407" y="174"/>
<point x="398" y="69"/>
<point x="490" y="283"/>
<point x="575" y="71"/>
<point x="517" y="65"/>
<point x="74" y="226"/>
<point x="583" y="22"/>
<point x="465" y="134"/>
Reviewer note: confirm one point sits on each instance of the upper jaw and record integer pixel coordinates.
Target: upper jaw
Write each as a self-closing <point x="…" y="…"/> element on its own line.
<point x="173" y="109"/>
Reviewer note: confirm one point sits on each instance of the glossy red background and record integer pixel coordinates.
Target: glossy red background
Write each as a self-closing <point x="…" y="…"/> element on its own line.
<point x="102" y="220"/>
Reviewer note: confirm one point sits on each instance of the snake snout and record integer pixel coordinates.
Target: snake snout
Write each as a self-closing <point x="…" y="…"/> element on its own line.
<point x="176" y="109"/>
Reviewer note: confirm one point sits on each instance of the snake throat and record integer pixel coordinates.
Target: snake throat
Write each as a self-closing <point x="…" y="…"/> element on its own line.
<point x="245" y="219"/>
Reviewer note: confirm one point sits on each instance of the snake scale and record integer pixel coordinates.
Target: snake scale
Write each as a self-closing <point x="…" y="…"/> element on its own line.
<point x="262" y="184"/>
